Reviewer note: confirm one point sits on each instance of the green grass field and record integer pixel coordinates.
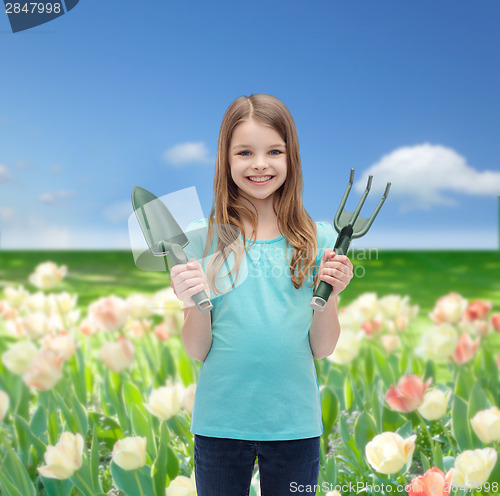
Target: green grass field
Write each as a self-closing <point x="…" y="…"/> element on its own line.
<point x="422" y="275"/>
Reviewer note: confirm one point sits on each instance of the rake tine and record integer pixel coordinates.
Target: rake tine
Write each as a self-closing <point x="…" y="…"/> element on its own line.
<point x="336" y="222"/>
<point x="363" y="231"/>
<point x="361" y="202"/>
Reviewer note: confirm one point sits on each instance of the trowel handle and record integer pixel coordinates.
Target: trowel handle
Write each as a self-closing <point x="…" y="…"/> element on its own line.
<point x="201" y="299"/>
<point x="324" y="289"/>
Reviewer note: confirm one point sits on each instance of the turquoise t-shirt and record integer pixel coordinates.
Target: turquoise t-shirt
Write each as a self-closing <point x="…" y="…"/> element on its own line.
<point x="258" y="381"/>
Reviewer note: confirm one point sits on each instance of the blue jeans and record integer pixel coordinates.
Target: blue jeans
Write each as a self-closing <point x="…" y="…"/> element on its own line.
<point x="224" y="467"/>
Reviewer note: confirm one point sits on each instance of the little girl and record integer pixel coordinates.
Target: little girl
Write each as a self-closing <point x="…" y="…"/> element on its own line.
<point x="257" y="394"/>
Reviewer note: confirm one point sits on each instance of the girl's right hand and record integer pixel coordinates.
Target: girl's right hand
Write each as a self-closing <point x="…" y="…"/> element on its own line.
<point x="188" y="280"/>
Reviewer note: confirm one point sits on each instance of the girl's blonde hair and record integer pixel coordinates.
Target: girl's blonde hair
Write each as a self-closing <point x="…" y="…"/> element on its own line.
<point x="296" y="225"/>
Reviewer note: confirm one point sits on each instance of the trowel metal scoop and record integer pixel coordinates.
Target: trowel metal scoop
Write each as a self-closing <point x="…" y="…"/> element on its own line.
<point x="163" y="234"/>
<point x="349" y="225"/>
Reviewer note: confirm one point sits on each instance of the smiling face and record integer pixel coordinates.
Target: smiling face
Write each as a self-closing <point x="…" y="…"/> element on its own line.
<point x="257" y="152"/>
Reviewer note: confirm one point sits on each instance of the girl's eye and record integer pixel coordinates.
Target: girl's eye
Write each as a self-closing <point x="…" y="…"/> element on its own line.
<point x="245" y="151"/>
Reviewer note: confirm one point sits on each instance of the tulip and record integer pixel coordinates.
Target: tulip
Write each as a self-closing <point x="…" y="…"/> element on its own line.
<point x="388" y="452"/>
<point x="350" y="318"/>
<point x="4" y="404"/>
<point x="408" y="394"/>
<point x="448" y="309"/>
<point x="188" y="398"/>
<point x="432" y="483"/>
<point x="130" y="453"/>
<point x="347" y="348"/>
<point x="438" y="342"/>
<point x="477" y="309"/>
<point x="63" y="344"/>
<point x="371" y="327"/>
<point x="182" y="486"/>
<point x="166" y="303"/>
<point x="38" y="324"/>
<point x="44" y="370"/>
<point x="109" y="314"/>
<point x="87" y="327"/>
<point x="473" y="467"/>
<point x="63" y="459"/>
<point x="47" y="275"/>
<point x="486" y="425"/>
<point x="390" y="342"/>
<point x="15" y="297"/>
<point x="139" y="306"/>
<point x="137" y="328"/>
<point x="38" y="302"/>
<point x="7" y="311"/>
<point x="466" y="349"/>
<point x="495" y="321"/>
<point x="435" y="404"/>
<point x="117" y="356"/>
<point x="63" y="302"/>
<point x="366" y="304"/>
<point x="18" y="356"/>
<point x="165" y="402"/>
<point x="392" y="305"/>
<point x="161" y="332"/>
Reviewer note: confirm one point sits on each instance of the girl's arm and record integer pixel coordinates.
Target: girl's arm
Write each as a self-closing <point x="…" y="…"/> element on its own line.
<point x="325" y="330"/>
<point x="196" y="333"/>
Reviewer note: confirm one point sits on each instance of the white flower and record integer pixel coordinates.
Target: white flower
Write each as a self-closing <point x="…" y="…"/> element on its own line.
<point x="435" y="404"/>
<point x="438" y="342"/>
<point x="347" y="348"/>
<point x="18" y="356"/>
<point x="473" y="467"/>
<point x="119" y="355"/>
<point x="130" y="453"/>
<point x="165" y="402"/>
<point x="47" y="275"/>
<point x="63" y="459"/>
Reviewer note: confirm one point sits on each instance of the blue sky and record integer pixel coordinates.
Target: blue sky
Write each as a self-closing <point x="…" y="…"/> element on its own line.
<point x="120" y="93"/>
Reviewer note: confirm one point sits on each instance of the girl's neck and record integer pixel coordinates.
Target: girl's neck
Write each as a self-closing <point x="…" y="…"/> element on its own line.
<point x="267" y="221"/>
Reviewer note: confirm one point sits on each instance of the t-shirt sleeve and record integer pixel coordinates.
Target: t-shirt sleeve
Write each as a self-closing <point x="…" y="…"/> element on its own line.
<point x="326" y="236"/>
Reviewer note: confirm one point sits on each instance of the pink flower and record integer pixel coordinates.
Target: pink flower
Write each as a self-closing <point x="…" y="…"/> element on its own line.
<point x="495" y="321"/>
<point x="448" y="309"/>
<point x="161" y="332"/>
<point x="432" y="483"/>
<point x="44" y="370"/>
<point x="119" y="355"/>
<point x="466" y="349"/>
<point x="408" y="394"/>
<point x="109" y="313"/>
<point x="477" y="309"/>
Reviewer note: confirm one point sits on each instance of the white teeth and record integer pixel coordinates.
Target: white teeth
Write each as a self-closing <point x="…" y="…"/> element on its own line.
<point x="259" y="179"/>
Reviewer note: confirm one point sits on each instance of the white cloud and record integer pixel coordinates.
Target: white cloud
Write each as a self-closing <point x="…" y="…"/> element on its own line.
<point x="56" y="169"/>
<point x="188" y="153"/>
<point x="4" y="174"/>
<point x="422" y="175"/>
<point x="118" y="213"/>
<point x="54" y="196"/>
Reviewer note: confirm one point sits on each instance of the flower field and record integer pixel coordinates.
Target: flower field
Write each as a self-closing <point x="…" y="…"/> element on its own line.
<point x="96" y="390"/>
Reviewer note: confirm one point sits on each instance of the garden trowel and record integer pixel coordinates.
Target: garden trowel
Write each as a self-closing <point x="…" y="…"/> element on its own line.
<point x="163" y="234"/>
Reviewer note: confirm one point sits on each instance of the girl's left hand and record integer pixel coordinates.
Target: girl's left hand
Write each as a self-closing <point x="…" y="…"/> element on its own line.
<point x="336" y="270"/>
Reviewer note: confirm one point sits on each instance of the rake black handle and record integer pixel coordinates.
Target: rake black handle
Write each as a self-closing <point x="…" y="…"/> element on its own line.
<point x="324" y="289"/>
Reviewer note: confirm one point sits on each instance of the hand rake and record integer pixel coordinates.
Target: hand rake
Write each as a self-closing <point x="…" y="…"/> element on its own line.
<point x="348" y="225"/>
